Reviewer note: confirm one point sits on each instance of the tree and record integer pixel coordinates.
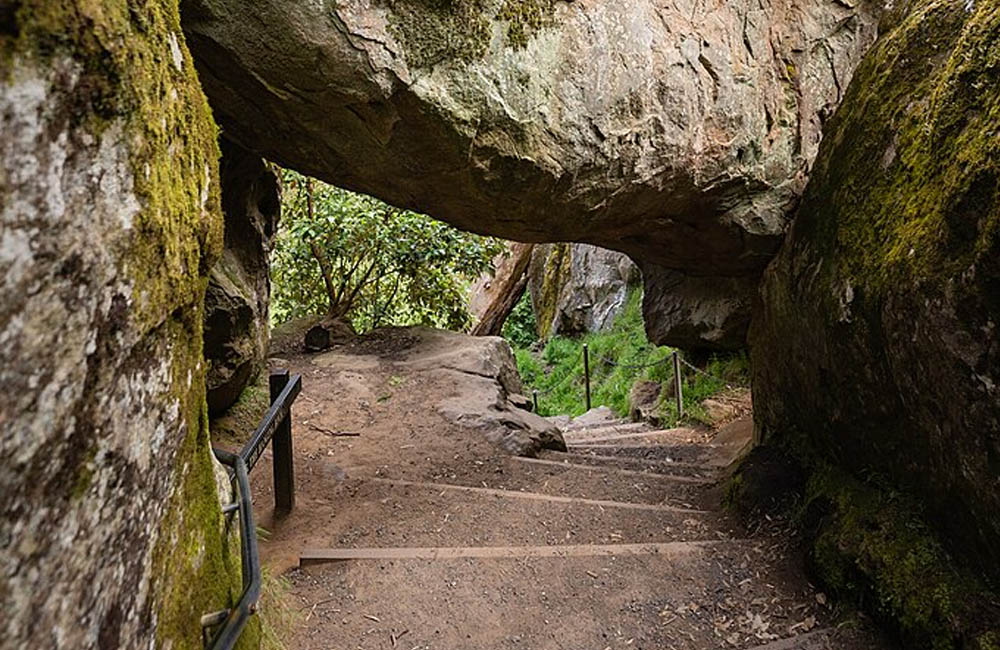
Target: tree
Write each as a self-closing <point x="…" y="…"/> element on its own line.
<point x="350" y="256"/>
<point x="509" y="289"/>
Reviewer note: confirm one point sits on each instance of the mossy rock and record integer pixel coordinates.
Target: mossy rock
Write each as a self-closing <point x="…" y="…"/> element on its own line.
<point x="442" y="31"/>
<point x="872" y="545"/>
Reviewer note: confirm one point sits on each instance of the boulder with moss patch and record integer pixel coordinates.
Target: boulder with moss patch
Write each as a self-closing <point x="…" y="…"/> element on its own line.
<point x="110" y="526"/>
<point x="578" y="288"/>
<point x="875" y="346"/>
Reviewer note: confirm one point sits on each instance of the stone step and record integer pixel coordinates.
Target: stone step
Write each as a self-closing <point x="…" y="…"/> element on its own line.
<point x="695" y="597"/>
<point x="691" y="454"/>
<point x="651" y="504"/>
<point x="673" y="468"/>
<point x="641" y="436"/>
<point x="619" y="471"/>
<point x="311" y="557"/>
<point x="559" y="479"/>
<point x="382" y="514"/>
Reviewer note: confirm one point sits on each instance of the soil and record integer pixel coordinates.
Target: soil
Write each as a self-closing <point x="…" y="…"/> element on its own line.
<point x="412" y="478"/>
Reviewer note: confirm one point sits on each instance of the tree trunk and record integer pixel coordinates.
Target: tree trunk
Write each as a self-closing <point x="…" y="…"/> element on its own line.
<point x="510" y="291"/>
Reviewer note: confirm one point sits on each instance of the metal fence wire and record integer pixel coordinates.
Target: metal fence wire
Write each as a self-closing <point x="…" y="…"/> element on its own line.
<point x="674" y="357"/>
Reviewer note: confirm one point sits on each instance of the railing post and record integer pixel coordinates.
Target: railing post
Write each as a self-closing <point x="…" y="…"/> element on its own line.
<point x="678" y="390"/>
<point x="281" y="447"/>
<point x="586" y="371"/>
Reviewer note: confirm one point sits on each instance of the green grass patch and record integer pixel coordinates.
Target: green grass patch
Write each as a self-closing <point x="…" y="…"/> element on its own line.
<point x="619" y="357"/>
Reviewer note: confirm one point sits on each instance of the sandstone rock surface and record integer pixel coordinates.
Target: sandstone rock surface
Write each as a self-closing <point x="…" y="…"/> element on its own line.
<point x="876" y="342"/>
<point x="110" y="527"/>
<point x="678" y="132"/>
<point x="578" y="288"/>
<point x="239" y="288"/>
<point x="488" y="393"/>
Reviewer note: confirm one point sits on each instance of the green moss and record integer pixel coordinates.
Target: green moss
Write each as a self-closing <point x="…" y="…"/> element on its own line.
<point x="196" y="558"/>
<point x="84" y="475"/>
<point x="525" y="18"/>
<point x="909" y="172"/>
<point x="137" y="75"/>
<point x="555" y="276"/>
<point x="126" y="52"/>
<point x="871" y="544"/>
<point x="436" y="31"/>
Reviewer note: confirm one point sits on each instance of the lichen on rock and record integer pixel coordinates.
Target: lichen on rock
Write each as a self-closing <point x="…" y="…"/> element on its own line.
<point x="109" y="205"/>
<point x="447" y="31"/>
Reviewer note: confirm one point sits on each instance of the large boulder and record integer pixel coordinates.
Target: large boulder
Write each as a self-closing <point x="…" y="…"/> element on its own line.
<point x="488" y="394"/>
<point x="111" y="533"/>
<point x="239" y="289"/>
<point x="875" y="345"/>
<point x="696" y="313"/>
<point x="578" y="288"/>
<point x="676" y="132"/>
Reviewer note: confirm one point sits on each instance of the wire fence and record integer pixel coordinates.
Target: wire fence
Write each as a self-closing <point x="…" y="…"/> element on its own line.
<point x="636" y="366"/>
<point x="675" y="357"/>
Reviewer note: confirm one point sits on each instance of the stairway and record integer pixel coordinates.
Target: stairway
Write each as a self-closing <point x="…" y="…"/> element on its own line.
<point x="618" y="543"/>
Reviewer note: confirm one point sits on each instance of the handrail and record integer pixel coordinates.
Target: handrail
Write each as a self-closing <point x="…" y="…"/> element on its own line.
<point x="235" y="619"/>
<point x="276" y="414"/>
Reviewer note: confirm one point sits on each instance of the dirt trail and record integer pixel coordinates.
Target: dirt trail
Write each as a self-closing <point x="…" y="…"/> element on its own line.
<point x="615" y="544"/>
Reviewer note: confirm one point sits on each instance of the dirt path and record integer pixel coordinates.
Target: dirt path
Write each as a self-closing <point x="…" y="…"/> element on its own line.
<point x="455" y="545"/>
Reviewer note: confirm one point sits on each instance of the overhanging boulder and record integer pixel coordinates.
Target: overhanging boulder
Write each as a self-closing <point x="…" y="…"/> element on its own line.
<point x="680" y="135"/>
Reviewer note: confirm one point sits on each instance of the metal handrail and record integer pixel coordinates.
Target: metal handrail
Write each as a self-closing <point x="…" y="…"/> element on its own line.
<point x="233" y="620"/>
<point x="276" y="414"/>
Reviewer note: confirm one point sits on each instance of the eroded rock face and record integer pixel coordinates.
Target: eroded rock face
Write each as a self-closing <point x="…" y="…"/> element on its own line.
<point x="696" y="313"/>
<point x="109" y="212"/>
<point x="677" y="132"/>
<point x="578" y="288"/>
<point x="239" y="289"/>
<point x="876" y="341"/>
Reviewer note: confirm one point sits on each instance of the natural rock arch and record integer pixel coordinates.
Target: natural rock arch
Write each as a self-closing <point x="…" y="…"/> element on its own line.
<point x="680" y="133"/>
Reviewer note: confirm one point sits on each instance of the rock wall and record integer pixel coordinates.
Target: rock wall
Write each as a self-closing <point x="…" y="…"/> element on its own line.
<point x="237" y="321"/>
<point x="109" y="220"/>
<point x="678" y="132"/>
<point x="578" y="288"/>
<point x="875" y="344"/>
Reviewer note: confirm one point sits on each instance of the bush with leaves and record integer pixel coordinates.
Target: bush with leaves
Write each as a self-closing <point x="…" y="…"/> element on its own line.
<point x="347" y="255"/>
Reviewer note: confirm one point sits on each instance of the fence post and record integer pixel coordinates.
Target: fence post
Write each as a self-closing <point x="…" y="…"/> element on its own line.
<point x="678" y="390"/>
<point x="534" y="398"/>
<point x="586" y="371"/>
<point x="281" y="447"/>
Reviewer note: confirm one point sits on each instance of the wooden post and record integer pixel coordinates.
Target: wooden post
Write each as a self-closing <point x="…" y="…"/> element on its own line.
<point x="281" y="447"/>
<point x="534" y="398"/>
<point x="678" y="390"/>
<point x="586" y="371"/>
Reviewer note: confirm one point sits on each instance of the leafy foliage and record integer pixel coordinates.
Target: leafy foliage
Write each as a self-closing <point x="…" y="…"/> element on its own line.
<point x="352" y="256"/>
<point x="556" y="372"/>
<point x="520" y="328"/>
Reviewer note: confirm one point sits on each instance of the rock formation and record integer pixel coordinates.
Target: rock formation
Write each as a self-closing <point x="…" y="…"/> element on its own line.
<point x="679" y="133"/>
<point x="578" y="288"/>
<point x="110" y="526"/>
<point x="236" y="303"/>
<point x="875" y="344"/>
<point x="488" y="393"/>
<point x="696" y="313"/>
